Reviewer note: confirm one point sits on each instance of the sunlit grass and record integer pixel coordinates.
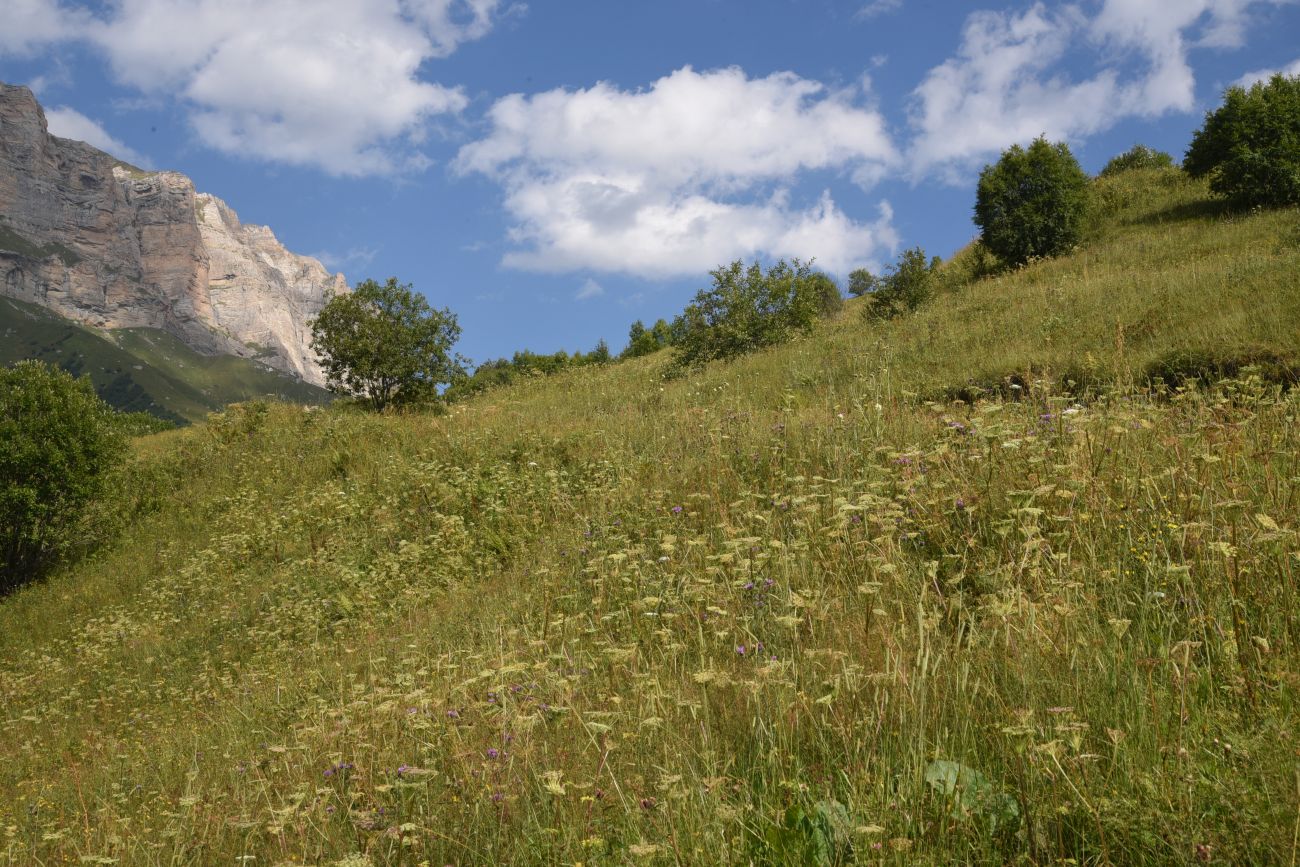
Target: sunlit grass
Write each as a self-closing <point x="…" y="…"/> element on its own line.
<point x="608" y="618"/>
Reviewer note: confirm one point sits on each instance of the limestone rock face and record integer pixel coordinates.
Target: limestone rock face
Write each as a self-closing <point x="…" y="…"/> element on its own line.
<point x="111" y="246"/>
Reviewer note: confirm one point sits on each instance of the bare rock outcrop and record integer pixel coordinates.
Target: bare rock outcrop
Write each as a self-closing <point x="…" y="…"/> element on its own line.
<point x="111" y="246"/>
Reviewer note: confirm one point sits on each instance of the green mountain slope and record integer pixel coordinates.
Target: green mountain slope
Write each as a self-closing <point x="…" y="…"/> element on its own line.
<point x="144" y="369"/>
<point x="797" y="609"/>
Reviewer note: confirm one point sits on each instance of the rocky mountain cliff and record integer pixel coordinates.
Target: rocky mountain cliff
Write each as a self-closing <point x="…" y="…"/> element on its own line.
<point x="108" y="245"/>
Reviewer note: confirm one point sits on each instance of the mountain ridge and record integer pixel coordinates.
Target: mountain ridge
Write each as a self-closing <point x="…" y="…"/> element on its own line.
<point x="111" y="246"/>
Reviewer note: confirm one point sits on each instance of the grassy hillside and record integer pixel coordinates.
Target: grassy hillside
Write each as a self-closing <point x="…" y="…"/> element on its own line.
<point x="795" y="609"/>
<point x="143" y="369"/>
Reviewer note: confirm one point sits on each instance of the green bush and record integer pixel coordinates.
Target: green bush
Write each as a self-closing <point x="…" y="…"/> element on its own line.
<point x="829" y="300"/>
<point x="501" y="371"/>
<point x="862" y="282"/>
<point x="747" y="309"/>
<point x="57" y="443"/>
<point x="905" y="286"/>
<point x="1250" y="146"/>
<point x="645" y="341"/>
<point x="1138" y="157"/>
<point x="1032" y="202"/>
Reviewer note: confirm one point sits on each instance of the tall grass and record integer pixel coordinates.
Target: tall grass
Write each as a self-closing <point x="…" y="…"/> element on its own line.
<point x="743" y="617"/>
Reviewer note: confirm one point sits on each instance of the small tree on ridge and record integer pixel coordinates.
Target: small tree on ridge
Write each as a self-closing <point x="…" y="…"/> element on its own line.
<point x="1031" y="203"/>
<point x="1250" y="146"/>
<point x="385" y="345"/>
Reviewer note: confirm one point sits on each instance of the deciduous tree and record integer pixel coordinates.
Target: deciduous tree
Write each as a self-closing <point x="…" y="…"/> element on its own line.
<point x="383" y="344"/>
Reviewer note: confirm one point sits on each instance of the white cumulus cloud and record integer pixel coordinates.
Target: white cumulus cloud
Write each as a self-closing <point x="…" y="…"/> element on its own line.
<point x="1008" y="83"/>
<point x="683" y="175"/>
<point x="451" y="22"/>
<point x="1290" y="70"/>
<point x="331" y="84"/>
<point x="67" y="122"/>
<point x="26" y="26"/>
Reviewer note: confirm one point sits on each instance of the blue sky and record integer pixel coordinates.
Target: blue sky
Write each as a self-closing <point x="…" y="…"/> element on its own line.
<point x="552" y="171"/>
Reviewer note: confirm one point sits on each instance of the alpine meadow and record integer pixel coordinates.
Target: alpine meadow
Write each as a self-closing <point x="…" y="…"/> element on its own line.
<point x="520" y="433"/>
<point x="1006" y="571"/>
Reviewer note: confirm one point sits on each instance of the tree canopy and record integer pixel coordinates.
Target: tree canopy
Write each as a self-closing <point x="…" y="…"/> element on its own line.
<point x="384" y="344"/>
<point x="1137" y="157"/>
<point x="1249" y="147"/>
<point x="747" y="308"/>
<point x="1031" y="203"/>
<point x="58" y="441"/>
<point x="905" y="286"/>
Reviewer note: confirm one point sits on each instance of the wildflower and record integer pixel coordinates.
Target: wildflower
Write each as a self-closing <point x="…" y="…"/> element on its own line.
<point x="677" y="510"/>
<point x="740" y="649"/>
<point x="493" y="753"/>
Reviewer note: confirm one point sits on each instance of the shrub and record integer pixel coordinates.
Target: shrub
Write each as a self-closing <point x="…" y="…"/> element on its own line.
<point x="493" y="374"/>
<point x="1032" y="202"/>
<point x="747" y="308"/>
<point x="905" y="286"/>
<point x="1250" y="146"/>
<point x="384" y="344"/>
<point x="829" y="300"/>
<point x="1137" y="157"/>
<point x="644" y="341"/>
<point x="58" y="441"/>
<point x="598" y="355"/>
<point x="862" y="282"/>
